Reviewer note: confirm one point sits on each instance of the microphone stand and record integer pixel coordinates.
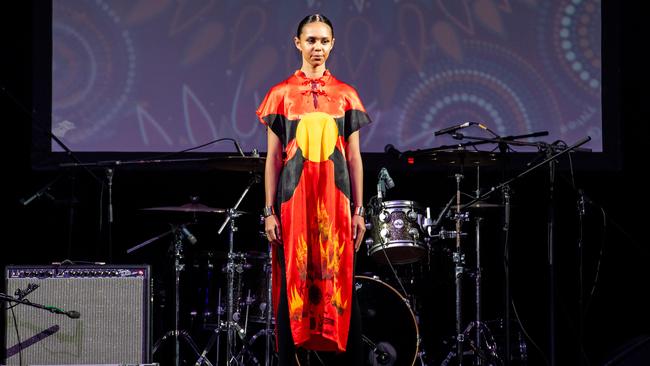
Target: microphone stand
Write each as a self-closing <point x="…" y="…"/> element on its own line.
<point x="52" y="309"/>
<point x="44" y="190"/>
<point x="109" y="178"/>
<point x="509" y="140"/>
<point x="552" y="155"/>
<point x="10" y="351"/>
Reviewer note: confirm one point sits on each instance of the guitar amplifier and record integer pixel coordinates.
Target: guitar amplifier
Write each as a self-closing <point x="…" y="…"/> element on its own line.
<point x="113" y="304"/>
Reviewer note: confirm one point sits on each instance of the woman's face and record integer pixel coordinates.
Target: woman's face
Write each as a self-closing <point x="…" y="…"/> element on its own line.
<point x="315" y="43"/>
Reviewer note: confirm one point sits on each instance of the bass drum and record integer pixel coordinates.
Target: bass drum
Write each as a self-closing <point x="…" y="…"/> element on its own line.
<point x="390" y="330"/>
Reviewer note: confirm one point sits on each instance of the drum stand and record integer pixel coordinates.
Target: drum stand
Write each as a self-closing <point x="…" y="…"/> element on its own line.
<point x="231" y="326"/>
<point x="483" y="335"/>
<point x="459" y="261"/>
<point x="176" y="333"/>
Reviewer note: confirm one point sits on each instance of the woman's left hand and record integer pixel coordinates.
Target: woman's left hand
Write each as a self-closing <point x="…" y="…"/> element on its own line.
<point x="358" y="230"/>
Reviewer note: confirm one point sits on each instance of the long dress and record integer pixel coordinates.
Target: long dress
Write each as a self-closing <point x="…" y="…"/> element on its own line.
<point x="313" y="119"/>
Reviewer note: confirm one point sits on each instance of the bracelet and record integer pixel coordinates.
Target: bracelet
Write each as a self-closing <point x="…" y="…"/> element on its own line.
<point x="359" y="211"/>
<point x="268" y="211"/>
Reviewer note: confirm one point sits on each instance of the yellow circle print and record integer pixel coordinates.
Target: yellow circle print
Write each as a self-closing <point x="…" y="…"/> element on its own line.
<point x="316" y="136"/>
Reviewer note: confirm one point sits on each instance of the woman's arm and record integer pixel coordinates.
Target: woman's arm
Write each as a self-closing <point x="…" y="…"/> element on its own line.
<point x="271" y="175"/>
<point x="355" y="167"/>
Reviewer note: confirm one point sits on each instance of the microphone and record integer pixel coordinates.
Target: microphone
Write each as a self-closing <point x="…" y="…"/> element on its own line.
<point x="72" y="314"/>
<point x="388" y="181"/>
<point x="454" y="128"/>
<point x="188" y="235"/>
<point x="392" y="151"/>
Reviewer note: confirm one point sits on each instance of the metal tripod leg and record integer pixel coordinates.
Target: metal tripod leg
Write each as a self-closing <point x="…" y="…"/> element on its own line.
<point x="176" y="333"/>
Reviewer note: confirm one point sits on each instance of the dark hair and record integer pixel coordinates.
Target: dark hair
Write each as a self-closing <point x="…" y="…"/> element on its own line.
<point x="313" y="19"/>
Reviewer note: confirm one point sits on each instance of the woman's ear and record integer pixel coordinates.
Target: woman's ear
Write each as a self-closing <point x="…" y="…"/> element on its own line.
<point x="296" y="42"/>
<point x="333" y="39"/>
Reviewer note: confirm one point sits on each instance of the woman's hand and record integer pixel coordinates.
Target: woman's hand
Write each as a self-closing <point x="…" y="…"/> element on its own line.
<point x="272" y="230"/>
<point x="358" y="230"/>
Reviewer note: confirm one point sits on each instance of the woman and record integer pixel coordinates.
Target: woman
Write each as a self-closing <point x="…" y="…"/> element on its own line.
<point x="314" y="120"/>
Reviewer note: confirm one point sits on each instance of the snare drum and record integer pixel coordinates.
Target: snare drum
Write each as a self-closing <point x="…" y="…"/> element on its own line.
<point x="397" y="233"/>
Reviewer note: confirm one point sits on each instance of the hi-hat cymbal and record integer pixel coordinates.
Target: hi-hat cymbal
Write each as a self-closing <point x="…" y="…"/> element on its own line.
<point x="192" y="207"/>
<point x="458" y="157"/>
<point x="238" y="163"/>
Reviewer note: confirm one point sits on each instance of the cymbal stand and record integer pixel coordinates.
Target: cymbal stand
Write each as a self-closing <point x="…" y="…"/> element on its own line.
<point x="176" y="333"/>
<point x="231" y="326"/>
<point x="459" y="269"/>
<point x="482" y="330"/>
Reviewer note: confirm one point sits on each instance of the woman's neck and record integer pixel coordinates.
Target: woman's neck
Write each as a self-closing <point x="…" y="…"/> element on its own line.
<point x="313" y="72"/>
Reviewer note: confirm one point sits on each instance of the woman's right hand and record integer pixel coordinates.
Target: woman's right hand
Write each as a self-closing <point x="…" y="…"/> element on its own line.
<point x="272" y="230"/>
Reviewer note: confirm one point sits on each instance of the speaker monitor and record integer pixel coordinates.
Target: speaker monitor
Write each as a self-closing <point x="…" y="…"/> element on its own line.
<point x="114" y="309"/>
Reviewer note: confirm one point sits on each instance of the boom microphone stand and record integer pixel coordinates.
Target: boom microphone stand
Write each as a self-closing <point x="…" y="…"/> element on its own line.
<point x="72" y="314"/>
<point x="550" y="158"/>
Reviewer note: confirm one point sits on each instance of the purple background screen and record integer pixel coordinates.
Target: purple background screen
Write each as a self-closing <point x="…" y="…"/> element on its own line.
<point x="165" y="75"/>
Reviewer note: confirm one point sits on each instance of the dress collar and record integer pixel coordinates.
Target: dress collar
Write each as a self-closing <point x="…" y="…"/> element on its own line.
<point x="326" y="76"/>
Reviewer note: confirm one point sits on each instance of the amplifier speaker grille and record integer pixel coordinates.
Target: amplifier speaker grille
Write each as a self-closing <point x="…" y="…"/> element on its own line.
<point x="114" y="325"/>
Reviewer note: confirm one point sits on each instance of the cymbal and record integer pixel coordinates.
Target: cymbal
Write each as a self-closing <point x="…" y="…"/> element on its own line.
<point x="458" y="157"/>
<point x="238" y="163"/>
<point x="190" y="207"/>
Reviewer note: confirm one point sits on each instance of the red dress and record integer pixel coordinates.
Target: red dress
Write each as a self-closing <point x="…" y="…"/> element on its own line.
<point x="313" y="119"/>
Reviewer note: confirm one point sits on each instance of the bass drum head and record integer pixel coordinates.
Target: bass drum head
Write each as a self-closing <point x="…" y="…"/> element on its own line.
<point x="387" y="322"/>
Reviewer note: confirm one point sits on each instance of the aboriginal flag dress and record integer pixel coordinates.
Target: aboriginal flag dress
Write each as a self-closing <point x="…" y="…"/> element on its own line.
<point x="313" y="119"/>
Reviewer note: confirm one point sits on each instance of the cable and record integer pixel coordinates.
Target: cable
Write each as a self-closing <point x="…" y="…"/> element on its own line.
<point x="523" y="329"/>
<point x="506" y="266"/>
<point x="383" y="247"/>
<point x="163" y="156"/>
<point x="20" y="343"/>
<point x="600" y="258"/>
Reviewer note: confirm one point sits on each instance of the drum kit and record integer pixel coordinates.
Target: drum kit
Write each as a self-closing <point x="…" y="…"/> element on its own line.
<point x="237" y="315"/>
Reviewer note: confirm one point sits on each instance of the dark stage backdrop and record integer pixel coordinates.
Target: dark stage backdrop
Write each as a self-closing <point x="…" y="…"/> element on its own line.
<point x="167" y="75"/>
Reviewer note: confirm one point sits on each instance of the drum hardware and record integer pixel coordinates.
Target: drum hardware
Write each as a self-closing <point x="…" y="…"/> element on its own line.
<point x="459" y="269"/>
<point x="384" y="183"/>
<point x="180" y="233"/>
<point x="268" y="308"/>
<point x="489" y="356"/>
<point x="192" y="207"/>
<point x="483" y="332"/>
<point x="231" y="325"/>
<point x="483" y="346"/>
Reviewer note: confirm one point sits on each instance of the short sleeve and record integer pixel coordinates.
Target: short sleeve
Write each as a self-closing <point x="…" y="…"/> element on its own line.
<point x="355" y="113"/>
<point x="271" y="111"/>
